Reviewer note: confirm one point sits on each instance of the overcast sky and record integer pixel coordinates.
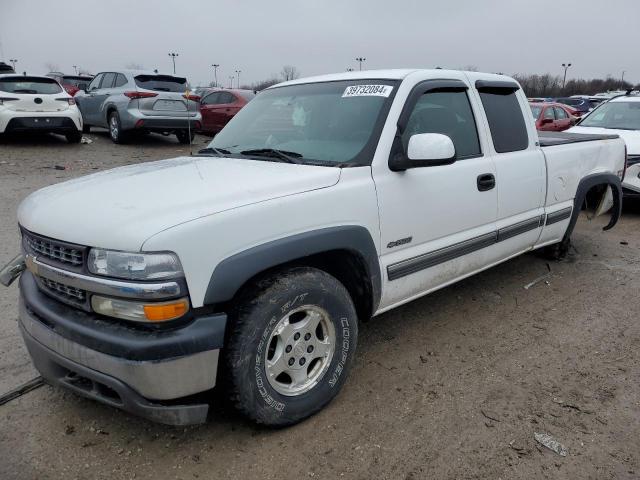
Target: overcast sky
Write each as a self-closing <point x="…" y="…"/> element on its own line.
<point x="258" y="37"/>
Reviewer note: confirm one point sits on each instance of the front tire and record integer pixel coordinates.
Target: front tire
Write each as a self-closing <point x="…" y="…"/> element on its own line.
<point x="292" y="342"/>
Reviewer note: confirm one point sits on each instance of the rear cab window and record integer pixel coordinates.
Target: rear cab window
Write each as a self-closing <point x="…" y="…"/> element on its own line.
<point x="161" y="83"/>
<point x="30" y="85"/>
<point x="504" y="114"/>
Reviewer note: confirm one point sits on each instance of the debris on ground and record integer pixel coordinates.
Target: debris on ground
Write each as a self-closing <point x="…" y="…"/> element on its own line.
<point x="539" y="279"/>
<point x="21" y="390"/>
<point x="490" y="415"/>
<point x="624" y="243"/>
<point x="69" y="430"/>
<point x="86" y="140"/>
<point x="59" y="167"/>
<point x="551" y="443"/>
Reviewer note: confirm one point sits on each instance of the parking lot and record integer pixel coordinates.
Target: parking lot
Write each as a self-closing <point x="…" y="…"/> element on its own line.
<point x="453" y="385"/>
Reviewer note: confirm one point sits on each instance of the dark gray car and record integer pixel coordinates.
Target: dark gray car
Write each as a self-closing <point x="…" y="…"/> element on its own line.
<point x="131" y="100"/>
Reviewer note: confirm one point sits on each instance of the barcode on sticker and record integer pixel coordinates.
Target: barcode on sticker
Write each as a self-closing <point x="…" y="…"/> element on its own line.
<point x="367" y="91"/>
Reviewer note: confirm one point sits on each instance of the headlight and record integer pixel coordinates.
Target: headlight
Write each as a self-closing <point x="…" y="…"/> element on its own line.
<point x="134" y="266"/>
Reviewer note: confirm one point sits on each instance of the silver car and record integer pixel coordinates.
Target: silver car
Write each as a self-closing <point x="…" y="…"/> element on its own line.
<point x="129" y="101"/>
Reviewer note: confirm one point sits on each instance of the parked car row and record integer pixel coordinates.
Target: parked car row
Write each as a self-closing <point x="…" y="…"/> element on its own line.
<point x="123" y="101"/>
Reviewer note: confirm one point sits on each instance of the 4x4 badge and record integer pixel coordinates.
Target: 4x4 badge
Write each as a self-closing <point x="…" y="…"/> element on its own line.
<point x="397" y="243"/>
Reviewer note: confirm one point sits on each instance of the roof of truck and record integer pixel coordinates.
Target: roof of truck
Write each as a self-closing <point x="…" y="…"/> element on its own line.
<point x="391" y="74"/>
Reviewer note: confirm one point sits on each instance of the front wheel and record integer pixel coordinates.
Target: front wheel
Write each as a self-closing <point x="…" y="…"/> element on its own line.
<point x="292" y="342"/>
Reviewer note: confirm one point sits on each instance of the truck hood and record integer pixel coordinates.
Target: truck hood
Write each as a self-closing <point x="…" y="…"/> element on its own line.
<point x="630" y="137"/>
<point x="121" y="208"/>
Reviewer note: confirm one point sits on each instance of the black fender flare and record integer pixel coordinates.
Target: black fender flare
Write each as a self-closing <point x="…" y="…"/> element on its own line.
<point x="233" y="272"/>
<point x="584" y="186"/>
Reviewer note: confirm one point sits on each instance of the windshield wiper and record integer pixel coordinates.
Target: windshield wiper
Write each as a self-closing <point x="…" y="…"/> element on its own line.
<point x="283" y="155"/>
<point x="220" y="152"/>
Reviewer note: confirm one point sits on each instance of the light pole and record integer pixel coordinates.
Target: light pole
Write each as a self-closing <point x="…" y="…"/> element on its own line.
<point x="215" y="73"/>
<point x="622" y="79"/>
<point x="238" y="72"/>
<point x="349" y="69"/>
<point x="231" y="77"/>
<point x="360" y="60"/>
<point x="173" y="58"/>
<point x="13" y="62"/>
<point x="75" y="67"/>
<point x="564" y="80"/>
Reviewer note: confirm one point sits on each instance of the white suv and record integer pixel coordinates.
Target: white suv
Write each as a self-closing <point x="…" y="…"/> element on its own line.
<point x="35" y="103"/>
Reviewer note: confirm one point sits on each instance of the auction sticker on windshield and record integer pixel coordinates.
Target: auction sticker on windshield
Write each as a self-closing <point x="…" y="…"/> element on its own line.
<point x="367" y="91"/>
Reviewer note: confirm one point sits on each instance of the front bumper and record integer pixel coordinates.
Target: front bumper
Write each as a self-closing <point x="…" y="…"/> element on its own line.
<point x="135" y="370"/>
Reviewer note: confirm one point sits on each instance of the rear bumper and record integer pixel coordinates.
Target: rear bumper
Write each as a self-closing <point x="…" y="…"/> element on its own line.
<point x="55" y="122"/>
<point x="134" y="119"/>
<point x="135" y="370"/>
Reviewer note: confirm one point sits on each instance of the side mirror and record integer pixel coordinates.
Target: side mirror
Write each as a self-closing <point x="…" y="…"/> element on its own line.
<point x="425" y="150"/>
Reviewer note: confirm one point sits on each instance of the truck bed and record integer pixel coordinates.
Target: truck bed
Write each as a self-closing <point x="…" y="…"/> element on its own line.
<point x="550" y="139"/>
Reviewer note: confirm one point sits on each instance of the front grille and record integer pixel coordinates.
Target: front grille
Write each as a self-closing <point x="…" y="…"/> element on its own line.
<point x="59" y="289"/>
<point x="54" y="250"/>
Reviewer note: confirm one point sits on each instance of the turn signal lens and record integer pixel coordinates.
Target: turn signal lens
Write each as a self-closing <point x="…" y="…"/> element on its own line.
<point x="138" y="311"/>
<point x="166" y="311"/>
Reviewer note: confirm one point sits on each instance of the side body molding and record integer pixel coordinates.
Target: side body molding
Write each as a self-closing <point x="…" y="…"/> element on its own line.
<point x="233" y="272"/>
<point x="583" y="187"/>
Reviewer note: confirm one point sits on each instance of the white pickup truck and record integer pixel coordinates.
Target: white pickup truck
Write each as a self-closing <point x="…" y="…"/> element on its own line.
<point x="325" y="201"/>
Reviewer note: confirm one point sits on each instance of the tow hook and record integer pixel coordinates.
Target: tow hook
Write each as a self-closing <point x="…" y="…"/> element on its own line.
<point x="12" y="270"/>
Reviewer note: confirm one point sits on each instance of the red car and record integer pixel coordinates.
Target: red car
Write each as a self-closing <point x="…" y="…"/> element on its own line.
<point x="218" y="107"/>
<point x="71" y="83"/>
<point x="553" y="117"/>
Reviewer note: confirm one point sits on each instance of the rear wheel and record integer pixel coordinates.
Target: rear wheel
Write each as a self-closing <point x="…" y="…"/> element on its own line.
<point x="292" y="342"/>
<point x="184" y="137"/>
<point x="86" y="128"/>
<point x="115" y="128"/>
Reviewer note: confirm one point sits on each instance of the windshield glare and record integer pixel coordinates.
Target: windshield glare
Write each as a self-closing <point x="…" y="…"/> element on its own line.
<point x="319" y="121"/>
<point x="620" y="115"/>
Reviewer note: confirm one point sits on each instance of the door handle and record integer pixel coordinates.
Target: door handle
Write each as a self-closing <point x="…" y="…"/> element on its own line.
<point x="486" y="181"/>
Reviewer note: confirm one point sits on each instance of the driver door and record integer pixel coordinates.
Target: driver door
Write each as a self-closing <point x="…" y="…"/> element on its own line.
<point x="436" y="221"/>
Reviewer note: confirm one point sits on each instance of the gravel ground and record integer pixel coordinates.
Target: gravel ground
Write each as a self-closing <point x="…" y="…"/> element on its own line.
<point x="453" y="385"/>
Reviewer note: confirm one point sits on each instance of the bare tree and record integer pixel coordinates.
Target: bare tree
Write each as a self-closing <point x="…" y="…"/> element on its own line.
<point x="289" y="72"/>
<point x="52" y="67"/>
<point x="134" y="66"/>
<point x="83" y="71"/>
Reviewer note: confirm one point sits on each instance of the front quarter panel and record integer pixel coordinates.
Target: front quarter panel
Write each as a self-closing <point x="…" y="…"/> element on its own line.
<point x="204" y="243"/>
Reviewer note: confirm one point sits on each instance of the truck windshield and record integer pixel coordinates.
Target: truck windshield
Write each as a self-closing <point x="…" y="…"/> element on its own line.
<point x="328" y="123"/>
<point x="615" y="115"/>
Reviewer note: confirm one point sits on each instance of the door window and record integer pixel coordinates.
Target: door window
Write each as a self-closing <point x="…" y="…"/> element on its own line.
<point x="560" y="113"/>
<point x="211" y="99"/>
<point x="448" y="113"/>
<point x="121" y="81"/>
<point x="548" y="114"/>
<point x="107" y="81"/>
<point x="506" y="122"/>
<point x="226" y="97"/>
<point x="95" y="83"/>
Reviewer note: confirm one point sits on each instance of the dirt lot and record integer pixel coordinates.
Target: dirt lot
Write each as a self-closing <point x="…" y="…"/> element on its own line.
<point x="450" y="386"/>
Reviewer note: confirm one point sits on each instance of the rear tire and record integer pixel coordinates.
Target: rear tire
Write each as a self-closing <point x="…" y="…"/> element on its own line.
<point x="183" y="136"/>
<point x="86" y="128"/>
<point x="292" y="340"/>
<point x="115" y="128"/>
<point x="74" y="137"/>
